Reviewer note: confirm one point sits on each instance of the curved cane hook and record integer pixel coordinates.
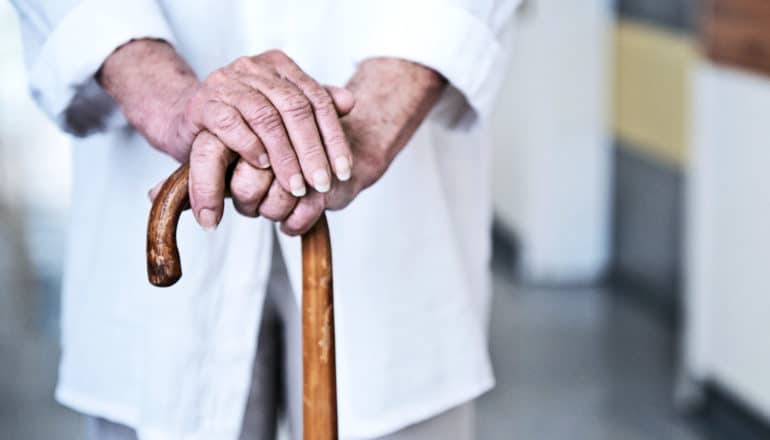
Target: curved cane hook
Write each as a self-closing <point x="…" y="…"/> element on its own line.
<point x="164" y="267"/>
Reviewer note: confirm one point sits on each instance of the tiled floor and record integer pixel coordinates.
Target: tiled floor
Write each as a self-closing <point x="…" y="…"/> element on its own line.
<point x="571" y="364"/>
<point x="578" y="364"/>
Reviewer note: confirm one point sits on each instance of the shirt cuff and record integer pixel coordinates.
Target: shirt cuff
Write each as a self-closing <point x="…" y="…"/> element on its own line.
<point x="62" y="76"/>
<point x="444" y="37"/>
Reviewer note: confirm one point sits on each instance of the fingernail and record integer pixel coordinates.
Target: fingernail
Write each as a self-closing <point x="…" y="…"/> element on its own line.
<point x="264" y="161"/>
<point x="321" y="181"/>
<point x="207" y="219"/>
<point x="297" y="185"/>
<point x="342" y="166"/>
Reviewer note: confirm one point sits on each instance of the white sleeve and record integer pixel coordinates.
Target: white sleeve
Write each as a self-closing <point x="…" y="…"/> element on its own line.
<point x="461" y="39"/>
<point x="65" y="44"/>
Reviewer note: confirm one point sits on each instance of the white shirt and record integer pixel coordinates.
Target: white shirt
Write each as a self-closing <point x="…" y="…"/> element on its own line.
<point x="410" y="254"/>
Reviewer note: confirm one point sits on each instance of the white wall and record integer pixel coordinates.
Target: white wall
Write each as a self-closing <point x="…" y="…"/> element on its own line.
<point x="728" y="262"/>
<point x="552" y="144"/>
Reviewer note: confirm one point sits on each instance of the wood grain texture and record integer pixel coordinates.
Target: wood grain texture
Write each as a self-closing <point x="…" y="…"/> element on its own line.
<point x="737" y="33"/>
<point x="319" y="392"/>
<point x="164" y="267"/>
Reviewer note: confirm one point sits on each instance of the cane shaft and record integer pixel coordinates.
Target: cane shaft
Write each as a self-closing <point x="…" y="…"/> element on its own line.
<point x="319" y="393"/>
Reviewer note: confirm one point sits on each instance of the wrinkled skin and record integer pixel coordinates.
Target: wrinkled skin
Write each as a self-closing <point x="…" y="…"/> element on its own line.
<point x="236" y="116"/>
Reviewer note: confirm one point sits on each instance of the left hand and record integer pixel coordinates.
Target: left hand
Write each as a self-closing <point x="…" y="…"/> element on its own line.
<point x="378" y="128"/>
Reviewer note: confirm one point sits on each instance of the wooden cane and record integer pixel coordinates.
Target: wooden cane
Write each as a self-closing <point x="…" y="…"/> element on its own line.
<point x="319" y="383"/>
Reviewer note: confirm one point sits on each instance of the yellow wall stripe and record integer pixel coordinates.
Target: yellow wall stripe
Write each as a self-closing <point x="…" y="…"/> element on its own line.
<point x="652" y="90"/>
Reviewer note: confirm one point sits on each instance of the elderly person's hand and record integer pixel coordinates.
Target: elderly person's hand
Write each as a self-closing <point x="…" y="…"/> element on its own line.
<point x="263" y="109"/>
<point x="393" y="97"/>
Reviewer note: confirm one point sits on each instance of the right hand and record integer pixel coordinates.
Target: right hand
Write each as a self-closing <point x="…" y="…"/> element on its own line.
<point x="263" y="109"/>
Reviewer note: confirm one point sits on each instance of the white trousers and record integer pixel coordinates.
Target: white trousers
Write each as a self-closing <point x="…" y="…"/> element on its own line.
<point x="276" y="386"/>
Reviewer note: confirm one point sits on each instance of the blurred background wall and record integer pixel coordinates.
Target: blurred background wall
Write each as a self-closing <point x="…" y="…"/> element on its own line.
<point x="655" y="51"/>
<point x="594" y="139"/>
<point x="639" y="153"/>
<point x="728" y="205"/>
<point x="34" y="197"/>
<point x="552" y="175"/>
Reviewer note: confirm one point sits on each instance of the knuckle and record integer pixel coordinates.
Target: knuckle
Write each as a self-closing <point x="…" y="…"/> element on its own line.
<point x="205" y="152"/>
<point x="245" y="191"/>
<point x="226" y="119"/>
<point x="216" y="77"/>
<point x="265" y="117"/>
<point x="324" y="109"/>
<point x="321" y="99"/>
<point x="204" y="192"/>
<point x="245" y="143"/>
<point x="296" y="106"/>
<point x="241" y="189"/>
<point x="337" y="138"/>
<point x="314" y="152"/>
<point x="274" y="55"/>
<point x="242" y="63"/>
<point x="206" y="157"/>
<point x="286" y="159"/>
<point x="277" y="206"/>
<point x="251" y="145"/>
<point x="264" y="179"/>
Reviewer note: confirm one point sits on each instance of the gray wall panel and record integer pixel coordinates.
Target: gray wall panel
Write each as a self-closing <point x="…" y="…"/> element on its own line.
<point x="647" y="245"/>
